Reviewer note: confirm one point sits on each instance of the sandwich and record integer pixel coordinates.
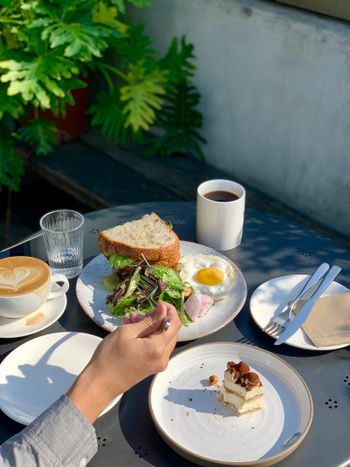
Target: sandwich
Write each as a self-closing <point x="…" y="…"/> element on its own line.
<point x="144" y="257"/>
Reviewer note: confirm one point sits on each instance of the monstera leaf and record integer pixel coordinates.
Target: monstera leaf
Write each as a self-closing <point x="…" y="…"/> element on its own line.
<point x="179" y="121"/>
<point x="39" y="78"/>
<point x="142" y="96"/>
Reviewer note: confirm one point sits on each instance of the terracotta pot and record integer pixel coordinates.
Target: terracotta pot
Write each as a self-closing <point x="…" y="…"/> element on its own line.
<point x="72" y="126"/>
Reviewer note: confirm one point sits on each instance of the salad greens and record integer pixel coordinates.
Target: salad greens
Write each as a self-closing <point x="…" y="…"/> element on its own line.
<point x="137" y="286"/>
<point x="119" y="261"/>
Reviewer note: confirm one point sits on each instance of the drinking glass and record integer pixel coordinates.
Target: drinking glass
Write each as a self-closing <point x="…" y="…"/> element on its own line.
<point x="63" y="238"/>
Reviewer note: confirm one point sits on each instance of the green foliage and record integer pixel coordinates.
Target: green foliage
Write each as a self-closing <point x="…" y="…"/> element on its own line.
<point x="48" y="46"/>
<point x="142" y="96"/>
<point x="39" y="80"/>
<point x="178" y="122"/>
<point x="11" y="164"/>
<point x="178" y="125"/>
<point x="40" y="134"/>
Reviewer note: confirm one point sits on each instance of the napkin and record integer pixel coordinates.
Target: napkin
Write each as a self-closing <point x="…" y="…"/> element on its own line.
<point x="329" y="321"/>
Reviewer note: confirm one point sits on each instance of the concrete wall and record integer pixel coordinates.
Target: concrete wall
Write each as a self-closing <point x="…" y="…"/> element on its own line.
<point x="275" y="85"/>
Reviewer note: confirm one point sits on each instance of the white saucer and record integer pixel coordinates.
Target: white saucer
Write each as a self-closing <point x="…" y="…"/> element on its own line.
<point x="40" y="319"/>
<point x="39" y="371"/>
<point x="270" y="295"/>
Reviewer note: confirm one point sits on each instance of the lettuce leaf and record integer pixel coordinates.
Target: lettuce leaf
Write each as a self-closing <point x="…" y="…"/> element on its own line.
<point x="175" y="297"/>
<point x="129" y="298"/>
<point x="169" y="276"/>
<point x="119" y="261"/>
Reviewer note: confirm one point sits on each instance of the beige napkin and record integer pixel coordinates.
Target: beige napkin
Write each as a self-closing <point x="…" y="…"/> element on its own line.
<point x="329" y="321"/>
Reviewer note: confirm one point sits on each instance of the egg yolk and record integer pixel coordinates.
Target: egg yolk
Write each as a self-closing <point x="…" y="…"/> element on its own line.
<point x="209" y="276"/>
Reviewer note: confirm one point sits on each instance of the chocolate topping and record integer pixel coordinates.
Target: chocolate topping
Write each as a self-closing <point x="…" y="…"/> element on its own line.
<point x="241" y="374"/>
<point x="243" y="368"/>
<point x="250" y="380"/>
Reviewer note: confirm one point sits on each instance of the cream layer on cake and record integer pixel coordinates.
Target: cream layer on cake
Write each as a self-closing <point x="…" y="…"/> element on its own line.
<point x="242" y="389"/>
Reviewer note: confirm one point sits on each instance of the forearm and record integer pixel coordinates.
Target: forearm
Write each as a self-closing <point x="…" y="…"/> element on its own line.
<point x="60" y="436"/>
<point x="90" y="395"/>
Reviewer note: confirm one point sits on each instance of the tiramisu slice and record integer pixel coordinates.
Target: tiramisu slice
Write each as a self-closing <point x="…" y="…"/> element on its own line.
<point x="242" y="389"/>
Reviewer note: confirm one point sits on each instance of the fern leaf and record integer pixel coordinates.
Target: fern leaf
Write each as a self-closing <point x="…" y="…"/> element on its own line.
<point x="40" y="134"/>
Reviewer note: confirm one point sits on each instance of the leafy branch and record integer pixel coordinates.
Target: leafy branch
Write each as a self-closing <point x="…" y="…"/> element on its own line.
<point x="46" y="49"/>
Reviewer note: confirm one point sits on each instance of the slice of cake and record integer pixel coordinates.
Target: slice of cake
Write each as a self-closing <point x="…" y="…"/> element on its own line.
<point x="242" y="389"/>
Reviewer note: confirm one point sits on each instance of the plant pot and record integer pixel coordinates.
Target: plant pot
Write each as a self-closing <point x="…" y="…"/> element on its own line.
<point x="73" y="124"/>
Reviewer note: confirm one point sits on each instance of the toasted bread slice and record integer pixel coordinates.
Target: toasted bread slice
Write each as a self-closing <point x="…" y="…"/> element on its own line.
<point x="148" y="237"/>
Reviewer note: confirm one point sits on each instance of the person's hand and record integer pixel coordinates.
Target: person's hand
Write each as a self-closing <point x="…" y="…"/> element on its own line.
<point x="125" y="357"/>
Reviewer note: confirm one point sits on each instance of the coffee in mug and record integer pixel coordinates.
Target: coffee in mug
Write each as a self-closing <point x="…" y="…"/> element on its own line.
<point x="25" y="285"/>
<point x="220" y="214"/>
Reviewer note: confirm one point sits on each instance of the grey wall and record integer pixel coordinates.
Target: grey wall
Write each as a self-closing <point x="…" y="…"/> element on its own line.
<point x="276" y="96"/>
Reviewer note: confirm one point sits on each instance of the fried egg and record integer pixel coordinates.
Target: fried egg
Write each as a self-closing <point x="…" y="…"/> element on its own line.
<point x="208" y="274"/>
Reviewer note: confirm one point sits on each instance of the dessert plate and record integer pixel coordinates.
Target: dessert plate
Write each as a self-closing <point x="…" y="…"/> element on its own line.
<point x="92" y="296"/>
<point x="39" y="371"/>
<point x="270" y="295"/>
<point x="40" y="319"/>
<point x="194" y="423"/>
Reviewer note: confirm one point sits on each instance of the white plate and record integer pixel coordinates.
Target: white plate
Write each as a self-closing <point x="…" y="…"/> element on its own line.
<point x="188" y="416"/>
<point x="268" y="298"/>
<point x="92" y="297"/>
<point x="39" y="371"/>
<point x="40" y="319"/>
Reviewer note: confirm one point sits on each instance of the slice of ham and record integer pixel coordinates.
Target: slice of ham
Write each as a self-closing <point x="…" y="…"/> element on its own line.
<point x="197" y="305"/>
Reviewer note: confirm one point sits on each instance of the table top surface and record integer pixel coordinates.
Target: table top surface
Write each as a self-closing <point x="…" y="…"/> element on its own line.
<point x="270" y="247"/>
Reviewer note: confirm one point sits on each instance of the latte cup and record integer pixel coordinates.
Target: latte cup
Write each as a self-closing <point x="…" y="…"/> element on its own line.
<point x="26" y="283"/>
<point x="220" y="214"/>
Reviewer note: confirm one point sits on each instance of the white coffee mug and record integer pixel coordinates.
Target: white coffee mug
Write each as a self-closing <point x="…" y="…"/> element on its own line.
<point x="220" y="214"/>
<point x="26" y="284"/>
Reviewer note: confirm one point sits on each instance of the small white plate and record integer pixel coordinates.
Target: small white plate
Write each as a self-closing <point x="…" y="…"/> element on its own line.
<point x="92" y="296"/>
<point x="39" y="371"/>
<point x="193" y="422"/>
<point x="268" y="298"/>
<point x="40" y="319"/>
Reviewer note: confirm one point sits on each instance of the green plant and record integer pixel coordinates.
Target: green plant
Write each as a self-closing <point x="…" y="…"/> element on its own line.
<point x="47" y="47"/>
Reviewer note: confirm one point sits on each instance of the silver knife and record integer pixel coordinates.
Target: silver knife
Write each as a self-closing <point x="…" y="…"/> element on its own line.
<point x="305" y="310"/>
<point x="310" y="283"/>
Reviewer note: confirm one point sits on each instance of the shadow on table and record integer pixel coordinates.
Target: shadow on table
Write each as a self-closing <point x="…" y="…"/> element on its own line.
<point x="139" y="431"/>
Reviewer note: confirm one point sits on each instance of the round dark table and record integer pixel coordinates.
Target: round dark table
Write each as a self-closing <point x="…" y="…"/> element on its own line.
<point x="271" y="247"/>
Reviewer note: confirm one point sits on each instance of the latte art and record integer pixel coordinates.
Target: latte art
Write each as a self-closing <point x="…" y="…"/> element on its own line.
<point x="13" y="279"/>
<point x="22" y="274"/>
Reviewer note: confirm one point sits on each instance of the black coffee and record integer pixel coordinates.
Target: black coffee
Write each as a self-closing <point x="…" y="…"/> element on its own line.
<point x="221" y="195"/>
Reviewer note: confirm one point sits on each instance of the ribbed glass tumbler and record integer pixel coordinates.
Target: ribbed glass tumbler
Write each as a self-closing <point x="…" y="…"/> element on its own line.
<point x="63" y="232"/>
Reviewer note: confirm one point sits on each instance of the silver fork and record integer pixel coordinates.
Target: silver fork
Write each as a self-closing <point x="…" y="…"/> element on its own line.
<point x="278" y="322"/>
<point x="148" y="287"/>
